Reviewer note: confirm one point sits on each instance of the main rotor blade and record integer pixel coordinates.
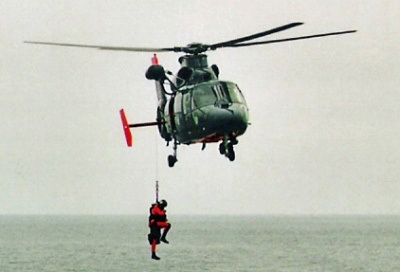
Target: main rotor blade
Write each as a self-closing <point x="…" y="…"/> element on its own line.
<point x="114" y="48"/>
<point x="254" y="36"/>
<point x="292" y="39"/>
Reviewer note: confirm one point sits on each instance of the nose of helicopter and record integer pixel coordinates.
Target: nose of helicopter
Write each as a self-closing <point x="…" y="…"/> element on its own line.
<point x="228" y="120"/>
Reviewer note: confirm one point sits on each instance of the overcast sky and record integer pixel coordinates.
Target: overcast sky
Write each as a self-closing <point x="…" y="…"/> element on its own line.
<point x="324" y="134"/>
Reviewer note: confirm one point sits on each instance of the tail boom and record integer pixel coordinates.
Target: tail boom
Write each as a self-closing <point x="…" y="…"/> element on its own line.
<point x="127" y="127"/>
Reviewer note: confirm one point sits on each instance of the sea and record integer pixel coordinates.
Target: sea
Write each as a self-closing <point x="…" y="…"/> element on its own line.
<point x="200" y="243"/>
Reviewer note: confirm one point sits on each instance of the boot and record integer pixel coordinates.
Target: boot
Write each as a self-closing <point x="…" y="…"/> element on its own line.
<point x="164" y="235"/>
<point x="164" y="240"/>
<point x="154" y="256"/>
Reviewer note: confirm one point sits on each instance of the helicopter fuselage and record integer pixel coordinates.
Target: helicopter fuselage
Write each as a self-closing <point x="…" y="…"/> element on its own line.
<point x="200" y="108"/>
<point x="206" y="112"/>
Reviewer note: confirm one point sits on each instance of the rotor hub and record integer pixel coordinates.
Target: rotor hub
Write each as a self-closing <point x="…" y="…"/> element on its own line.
<point x="195" y="48"/>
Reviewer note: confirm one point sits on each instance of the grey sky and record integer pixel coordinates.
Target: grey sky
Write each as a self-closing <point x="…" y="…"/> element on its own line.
<point x="324" y="137"/>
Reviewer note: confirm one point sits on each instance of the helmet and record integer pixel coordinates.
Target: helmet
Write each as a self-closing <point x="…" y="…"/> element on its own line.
<point x="163" y="203"/>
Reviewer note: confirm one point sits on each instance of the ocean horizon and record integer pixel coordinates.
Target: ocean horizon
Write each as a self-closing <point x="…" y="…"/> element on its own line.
<point x="201" y="243"/>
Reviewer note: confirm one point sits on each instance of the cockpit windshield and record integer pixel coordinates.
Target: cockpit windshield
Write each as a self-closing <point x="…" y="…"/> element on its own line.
<point x="233" y="92"/>
<point x="203" y="96"/>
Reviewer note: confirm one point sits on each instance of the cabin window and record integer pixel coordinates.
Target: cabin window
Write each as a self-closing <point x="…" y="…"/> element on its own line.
<point x="203" y="96"/>
<point x="178" y="103"/>
<point x="186" y="103"/>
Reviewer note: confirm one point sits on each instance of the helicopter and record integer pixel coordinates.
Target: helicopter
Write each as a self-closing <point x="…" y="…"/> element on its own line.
<point x="198" y="107"/>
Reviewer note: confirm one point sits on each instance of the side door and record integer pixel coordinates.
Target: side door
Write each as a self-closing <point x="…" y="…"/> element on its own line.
<point x="178" y="117"/>
<point x="187" y="111"/>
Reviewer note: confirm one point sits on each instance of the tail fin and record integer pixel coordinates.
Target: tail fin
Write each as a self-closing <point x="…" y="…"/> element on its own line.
<point x="154" y="60"/>
<point x="127" y="130"/>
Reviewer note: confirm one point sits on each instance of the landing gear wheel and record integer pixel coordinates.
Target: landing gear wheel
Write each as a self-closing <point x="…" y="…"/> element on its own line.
<point x="230" y="152"/>
<point x="226" y="147"/>
<point x="231" y="156"/>
<point x="171" y="160"/>
<point x="222" y="148"/>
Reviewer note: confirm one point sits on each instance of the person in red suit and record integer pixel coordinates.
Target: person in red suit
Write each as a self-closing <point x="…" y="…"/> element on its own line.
<point x="157" y="221"/>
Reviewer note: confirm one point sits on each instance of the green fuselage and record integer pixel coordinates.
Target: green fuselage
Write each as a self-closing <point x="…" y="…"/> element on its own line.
<point x="206" y="112"/>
